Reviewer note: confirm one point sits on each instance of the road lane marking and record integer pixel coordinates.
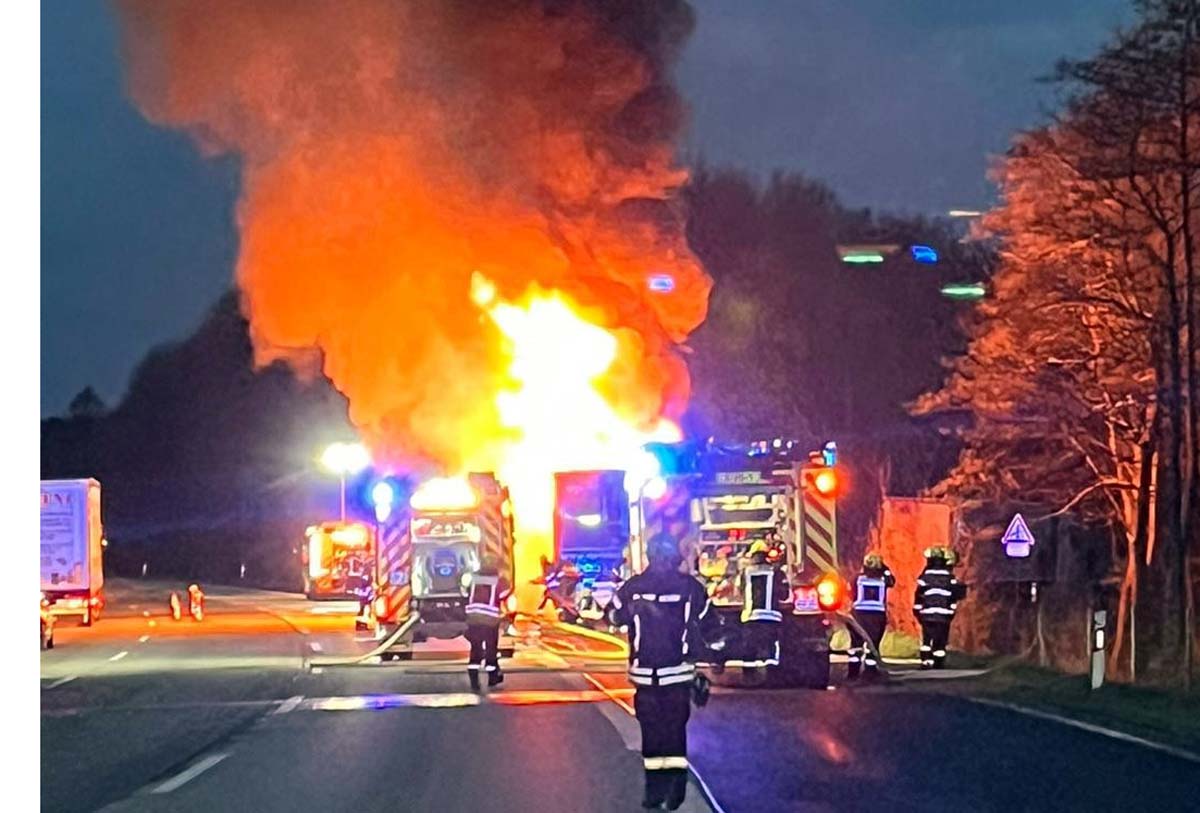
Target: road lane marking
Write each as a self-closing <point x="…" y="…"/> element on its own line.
<point x="143" y="639"/>
<point x="314" y="646"/>
<point x="289" y="704"/>
<point x="61" y="681"/>
<point x="119" y="655"/>
<point x="1092" y="727"/>
<point x="619" y="701"/>
<point x="180" y="779"/>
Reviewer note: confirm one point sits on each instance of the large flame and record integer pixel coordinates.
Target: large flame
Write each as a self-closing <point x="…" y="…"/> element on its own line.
<point x="393" y="151"/>
<point x="552" y="407"/>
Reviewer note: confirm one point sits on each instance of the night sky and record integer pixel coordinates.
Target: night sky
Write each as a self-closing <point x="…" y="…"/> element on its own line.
<point x="896" y="105"/>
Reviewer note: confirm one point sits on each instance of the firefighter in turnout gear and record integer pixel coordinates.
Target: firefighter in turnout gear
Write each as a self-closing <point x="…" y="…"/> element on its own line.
<point x="870" y="611"/>
<point x="666" y="612"/>
<point x="763" y="589"/>
<point x="486" y="590"/>
<point x="938" y="594"/>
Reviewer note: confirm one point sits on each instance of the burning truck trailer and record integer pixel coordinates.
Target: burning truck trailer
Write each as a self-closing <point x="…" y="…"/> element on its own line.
<point x="426" y="552"/>
<point x="722" y="500"/>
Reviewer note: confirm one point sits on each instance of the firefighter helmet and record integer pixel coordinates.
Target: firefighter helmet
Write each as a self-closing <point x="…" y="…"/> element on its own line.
<point x="663" y="550"/>
<point x="873" y="560"/>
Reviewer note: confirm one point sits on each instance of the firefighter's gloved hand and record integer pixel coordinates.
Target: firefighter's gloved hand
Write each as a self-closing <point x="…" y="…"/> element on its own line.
<point x="701" y="688"/>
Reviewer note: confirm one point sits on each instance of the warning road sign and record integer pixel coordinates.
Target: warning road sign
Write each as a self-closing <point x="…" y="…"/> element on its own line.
<point x="1018" y="539"/>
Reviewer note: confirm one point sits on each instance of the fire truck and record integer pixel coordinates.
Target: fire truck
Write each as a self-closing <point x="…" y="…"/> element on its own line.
<point x="721" y="499"/>
<point x="334" y="557"/>
<point x="426" y="552"/>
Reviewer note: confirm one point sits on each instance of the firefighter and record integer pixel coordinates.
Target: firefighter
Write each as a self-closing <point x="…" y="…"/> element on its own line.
<point x="937" y="597"/>
<point x="358" y="584"/>
<point x="196" y="602"/>
<point x="486" y="590"/>
<point x="763" y="588"/>
<point x="667" y="612"/>
<point x="870" y="611"/>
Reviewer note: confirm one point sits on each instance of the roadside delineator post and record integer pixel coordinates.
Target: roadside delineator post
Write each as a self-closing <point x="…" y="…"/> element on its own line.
<point x="1097" y="642"/>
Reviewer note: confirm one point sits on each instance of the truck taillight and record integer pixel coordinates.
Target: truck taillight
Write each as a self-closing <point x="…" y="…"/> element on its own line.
<point x="831" y="593"/>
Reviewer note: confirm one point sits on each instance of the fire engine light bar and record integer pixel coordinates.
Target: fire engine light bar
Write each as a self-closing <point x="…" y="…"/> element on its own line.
<point x="444" y="494"/>
<point x="354" y="536"/>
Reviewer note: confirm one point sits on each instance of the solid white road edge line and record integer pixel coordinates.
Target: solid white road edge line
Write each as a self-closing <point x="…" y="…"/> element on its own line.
<point x="61" y="681"/>
<point x="709" y="798"/>
<point x="1095" y="729"/>
<point x="119" y="655"/>
<point x="180" y="779"/>
<point x="289" y="704"/>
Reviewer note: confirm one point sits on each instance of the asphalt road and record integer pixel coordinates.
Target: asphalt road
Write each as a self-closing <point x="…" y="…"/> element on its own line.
<point x="144" y="713"/>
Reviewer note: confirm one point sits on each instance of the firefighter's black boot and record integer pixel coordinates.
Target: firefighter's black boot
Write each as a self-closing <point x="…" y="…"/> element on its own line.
<point x="678" y="790"/>
<point x="495" y="678"/>
<point x="473" y="676"/>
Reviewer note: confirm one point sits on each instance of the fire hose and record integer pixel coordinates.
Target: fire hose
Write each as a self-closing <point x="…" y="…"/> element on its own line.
<point x="853" y="622"/>
<point x="621" y="654"/>
<point x="386" y="644"/>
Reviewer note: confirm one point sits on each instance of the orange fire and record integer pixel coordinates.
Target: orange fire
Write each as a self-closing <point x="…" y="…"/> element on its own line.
<point x="452" y="210"/>
<point x="553" y="412"/>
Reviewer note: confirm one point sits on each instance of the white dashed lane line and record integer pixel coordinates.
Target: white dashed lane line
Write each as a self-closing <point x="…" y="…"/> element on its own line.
<point x="314" y="646"/>
<point x="182" y="778"/>
<point x="61" y="681"/>
<point x="119" y="655"/>
<point x="143" y="639"/>
<point x="289" y="705"/>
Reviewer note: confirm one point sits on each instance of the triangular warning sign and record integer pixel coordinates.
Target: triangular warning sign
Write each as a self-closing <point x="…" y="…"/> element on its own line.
<point x="1018" y="532"/>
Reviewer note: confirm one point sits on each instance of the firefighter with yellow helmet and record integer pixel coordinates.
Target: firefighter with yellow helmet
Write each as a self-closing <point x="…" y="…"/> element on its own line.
<point x="764" y="590"/>
<point x="935" y="604"/>
<point x="870" y="611"/>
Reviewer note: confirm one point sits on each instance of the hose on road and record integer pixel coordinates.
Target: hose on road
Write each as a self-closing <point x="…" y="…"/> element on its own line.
<point x="374" y="653"/>
<point x="621" y="654"/>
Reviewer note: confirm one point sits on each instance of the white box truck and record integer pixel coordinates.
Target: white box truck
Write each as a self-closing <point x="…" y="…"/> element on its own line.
<point x="72" y="548"/>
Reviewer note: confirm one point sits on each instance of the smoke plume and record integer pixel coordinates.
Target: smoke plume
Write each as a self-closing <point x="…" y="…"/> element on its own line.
<point x="392" y="150"/>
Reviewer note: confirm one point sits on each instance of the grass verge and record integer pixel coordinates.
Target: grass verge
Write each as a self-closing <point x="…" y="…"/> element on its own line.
<point x="1160" y="715"/>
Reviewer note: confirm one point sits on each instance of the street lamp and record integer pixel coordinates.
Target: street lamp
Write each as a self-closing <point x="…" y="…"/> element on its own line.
<point x="343" y="459"/>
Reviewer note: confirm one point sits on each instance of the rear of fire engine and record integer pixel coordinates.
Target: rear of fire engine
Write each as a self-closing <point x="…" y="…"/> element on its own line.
<point x="427" y="552"/>
<point x="723" y="500"/>
<point x="335" y="558"/>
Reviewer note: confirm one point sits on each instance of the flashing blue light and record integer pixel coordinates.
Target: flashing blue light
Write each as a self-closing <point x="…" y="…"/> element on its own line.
<point x="661" y="283"/>
<point x="830" y="453"/>
<point x="924" y="254"/>
<point x="383" y="493"/>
